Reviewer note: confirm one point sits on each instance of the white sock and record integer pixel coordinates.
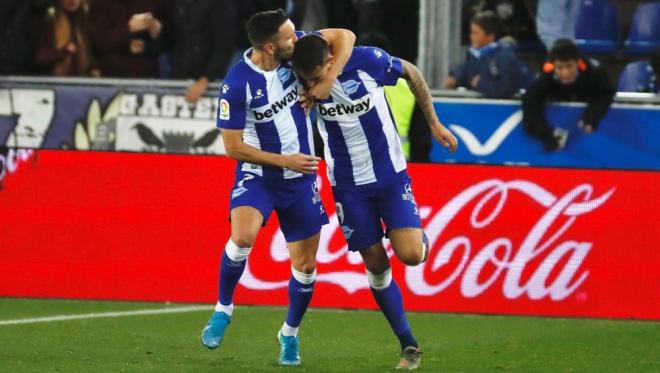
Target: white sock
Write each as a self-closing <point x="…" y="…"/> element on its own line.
<point x="219" y="307"/>
<point x="302" y="277"/>
<point x="236" y="253"/>
<point x="380" y="281"/>
<point x="289" y="331"/>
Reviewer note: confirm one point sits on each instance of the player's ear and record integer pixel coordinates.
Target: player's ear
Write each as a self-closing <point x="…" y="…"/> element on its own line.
<point x="330" y="60"/>
<point x="269" y="48"/>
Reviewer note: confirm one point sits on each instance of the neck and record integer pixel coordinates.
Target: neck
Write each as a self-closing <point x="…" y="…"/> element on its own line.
<point x="265" y="61"/>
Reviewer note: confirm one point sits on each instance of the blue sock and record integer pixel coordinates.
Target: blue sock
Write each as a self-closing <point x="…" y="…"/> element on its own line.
<point x="391" y="304"/>
<point x="230" y="273"/>
<point x="299" y="297"/>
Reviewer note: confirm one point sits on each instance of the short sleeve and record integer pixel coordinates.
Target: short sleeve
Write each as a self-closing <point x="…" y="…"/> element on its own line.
<point x="384" y="68"/>
<point x="231" y="107"/>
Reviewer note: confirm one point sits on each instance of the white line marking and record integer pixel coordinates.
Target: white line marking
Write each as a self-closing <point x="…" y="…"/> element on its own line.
<point x="98" y="315"/>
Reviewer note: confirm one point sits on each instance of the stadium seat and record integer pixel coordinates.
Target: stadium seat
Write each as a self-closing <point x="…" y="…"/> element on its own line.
<point x="644" y="36"/>
<point x="597" y="26"/>
<point x="635" y="77"/>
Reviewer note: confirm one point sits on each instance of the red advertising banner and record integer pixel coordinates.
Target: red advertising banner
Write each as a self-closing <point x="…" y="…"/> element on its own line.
<point x="505" y="240"/>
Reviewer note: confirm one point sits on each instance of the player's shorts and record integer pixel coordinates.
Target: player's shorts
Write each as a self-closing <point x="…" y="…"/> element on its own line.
<point x="360" y="209"/>
<point x="297" y="203"/>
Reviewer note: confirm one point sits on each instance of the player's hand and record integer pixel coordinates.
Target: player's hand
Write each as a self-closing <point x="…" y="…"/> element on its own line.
<point x="306" y="102"/>
<point x="444" y="136"/>
<point x="303" y="163"/>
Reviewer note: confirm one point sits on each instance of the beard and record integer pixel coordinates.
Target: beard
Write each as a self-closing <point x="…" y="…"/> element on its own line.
<point x="283" y="54"/>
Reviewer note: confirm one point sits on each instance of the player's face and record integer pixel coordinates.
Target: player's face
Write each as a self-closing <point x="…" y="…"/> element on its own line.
<point x="566" y="71"/>
<point x="313" y="77"/>
<point x="478" y="37"/>
<point x="285" y="40"/>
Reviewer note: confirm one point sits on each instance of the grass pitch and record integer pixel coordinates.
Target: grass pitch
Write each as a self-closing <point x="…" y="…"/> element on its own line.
<point x="331" y="341"/>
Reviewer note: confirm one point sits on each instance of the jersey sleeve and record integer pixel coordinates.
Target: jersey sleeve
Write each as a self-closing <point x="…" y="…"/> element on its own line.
<point x="300" y="33"/>
<point x="383" y="67"/>
<point x="232" y="105"/>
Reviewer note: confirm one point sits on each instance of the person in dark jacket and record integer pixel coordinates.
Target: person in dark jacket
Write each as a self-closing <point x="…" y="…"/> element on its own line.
<point x="64" y="48"/>
<point x="124" y="31"/>
<point x="490" y="67"/>
<point x="200" y="34"/>
<point x="567" y="76"/>
<point x="20" y="27"/>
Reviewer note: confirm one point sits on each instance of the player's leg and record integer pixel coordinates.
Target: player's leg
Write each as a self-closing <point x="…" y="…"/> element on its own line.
<point x="250" y="208"/>
<point x="410" y="245"/>
<point x="245" y="224"/>
<point x="387" y="294"/>
<point x="398" y="208"/>
<point x="301" y="222"/>
<point x="301" y="283"/>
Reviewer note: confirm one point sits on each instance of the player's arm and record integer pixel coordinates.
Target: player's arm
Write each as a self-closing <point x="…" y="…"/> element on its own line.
<point x="422" y="94"/>
<point x="341" y="44"/>
<point x="235" y="148"/>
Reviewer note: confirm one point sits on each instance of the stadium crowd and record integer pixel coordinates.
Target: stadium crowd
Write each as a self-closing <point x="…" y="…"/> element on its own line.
<point x="198" y="40"/>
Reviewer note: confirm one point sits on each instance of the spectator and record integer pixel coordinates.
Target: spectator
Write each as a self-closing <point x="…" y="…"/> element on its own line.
<point x="200" y="35"/>
<point x="64" y="48"/>
<point x="20" y="22"/>
<point x="489" y="68"/>
<point x="517" y="24"/>
<point x="567" y="76"/>
<point x="124" y="32"/>
<point x="555" y="19"/>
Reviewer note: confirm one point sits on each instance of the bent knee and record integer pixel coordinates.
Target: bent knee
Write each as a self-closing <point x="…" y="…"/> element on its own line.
<point x="412" y="256"/>
<point x="244" y="239"/>
<point x="304" y="265"/>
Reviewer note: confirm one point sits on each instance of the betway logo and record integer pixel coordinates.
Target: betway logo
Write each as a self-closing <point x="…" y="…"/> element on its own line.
<point x="334" y="110"/>
<point x="267" y="112"/>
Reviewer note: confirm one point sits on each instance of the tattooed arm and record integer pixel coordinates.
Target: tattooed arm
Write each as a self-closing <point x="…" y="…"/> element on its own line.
<point x="422" y="94"/>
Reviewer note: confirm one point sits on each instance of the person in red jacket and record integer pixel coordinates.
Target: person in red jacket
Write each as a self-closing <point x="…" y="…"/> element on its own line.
<point x="65" y="48"/>
<point x="124" y="32"/>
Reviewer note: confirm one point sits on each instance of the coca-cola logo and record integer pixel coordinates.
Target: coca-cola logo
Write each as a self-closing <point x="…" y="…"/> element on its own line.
<point x="543" y="250"/>
<point x="10" y="160"/>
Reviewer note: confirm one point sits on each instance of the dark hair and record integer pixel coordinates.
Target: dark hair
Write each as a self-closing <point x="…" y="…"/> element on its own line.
<point x="375" y="39"/>
<point x="263" y="26"/>
<point x="311" y="51"/>
<point x="488" y="21"/>
<point x="564" y="50"/>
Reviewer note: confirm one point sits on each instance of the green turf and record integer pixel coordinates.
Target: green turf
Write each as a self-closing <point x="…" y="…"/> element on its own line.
<point x="331" y="341"/>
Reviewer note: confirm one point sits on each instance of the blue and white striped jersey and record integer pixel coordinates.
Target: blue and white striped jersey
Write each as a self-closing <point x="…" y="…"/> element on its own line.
<point x="265" y="105"/>
<point x="362" y="143"/>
